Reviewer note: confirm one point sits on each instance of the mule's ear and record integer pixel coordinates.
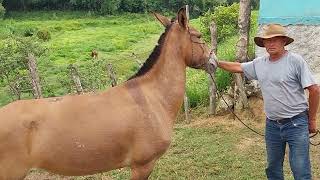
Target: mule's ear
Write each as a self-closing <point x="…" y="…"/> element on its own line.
<point x="164" y="20"/>
<point x="183" y="17"/>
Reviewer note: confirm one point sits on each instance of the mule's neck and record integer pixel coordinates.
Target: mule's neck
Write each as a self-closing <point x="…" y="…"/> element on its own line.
<point x="168" y="76"/>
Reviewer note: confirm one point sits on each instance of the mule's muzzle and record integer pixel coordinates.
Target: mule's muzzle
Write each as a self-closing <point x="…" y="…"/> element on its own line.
<point x="211" y="65"/>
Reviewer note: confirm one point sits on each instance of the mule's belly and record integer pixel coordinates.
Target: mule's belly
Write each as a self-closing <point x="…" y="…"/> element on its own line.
<point x="82" y="149"/>
<point x="79" y="158"/>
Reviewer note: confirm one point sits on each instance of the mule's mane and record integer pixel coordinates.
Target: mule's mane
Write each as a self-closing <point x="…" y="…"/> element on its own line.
<point x="154" y="56"/>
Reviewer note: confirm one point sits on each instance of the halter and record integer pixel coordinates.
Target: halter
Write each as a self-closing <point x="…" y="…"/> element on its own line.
<point x="192" y="51"/>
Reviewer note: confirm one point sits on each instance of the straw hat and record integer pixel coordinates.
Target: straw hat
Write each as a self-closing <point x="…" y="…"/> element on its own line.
<point x="270" y="31"/>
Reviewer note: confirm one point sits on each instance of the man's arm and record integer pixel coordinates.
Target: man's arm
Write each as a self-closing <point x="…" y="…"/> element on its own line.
<point x="314" y="95"/>
<point x="233" y="67"/>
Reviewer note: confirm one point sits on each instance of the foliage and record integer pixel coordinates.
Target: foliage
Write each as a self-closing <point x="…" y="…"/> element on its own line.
<point x="110" y="6"/>
<point x="133" y="6"/>
<point x="2" y="11"/>
<point x="44" y="34"/>
<point x="93" y="75"/>
<point x="197" y="7"/>
<point x="226" y="19"/>
<point x="29" y="31"/>
<point x="255" y="4"/>
<point x="13" y="62"/>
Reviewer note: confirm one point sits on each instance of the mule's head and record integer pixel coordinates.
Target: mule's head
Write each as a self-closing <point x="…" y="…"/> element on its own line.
<point x="186" y="40"/>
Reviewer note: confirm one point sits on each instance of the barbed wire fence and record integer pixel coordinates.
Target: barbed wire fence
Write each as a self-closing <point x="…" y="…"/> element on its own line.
<point x="30" y="83"/>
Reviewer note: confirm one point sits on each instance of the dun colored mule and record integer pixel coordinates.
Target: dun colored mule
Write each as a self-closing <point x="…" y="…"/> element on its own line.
<point x="127" y="126"/>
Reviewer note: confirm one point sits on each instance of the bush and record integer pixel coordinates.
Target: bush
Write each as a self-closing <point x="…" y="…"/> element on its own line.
<point x="134" y="6"/>
<point x="29" y="31"/>
<point x="110" y="6"/>
<point x="2" y="11"/>
<point x="44" y="34"/>
<point x="226" y="19"/>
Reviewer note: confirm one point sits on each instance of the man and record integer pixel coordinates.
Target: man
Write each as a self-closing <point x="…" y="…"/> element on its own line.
<point x="283" y="76"/>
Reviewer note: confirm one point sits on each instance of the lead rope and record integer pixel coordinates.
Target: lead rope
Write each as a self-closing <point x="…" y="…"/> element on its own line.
<point x="312" y="136"/>
<point x="230" y="110"/>
<point x="219" y="95"/>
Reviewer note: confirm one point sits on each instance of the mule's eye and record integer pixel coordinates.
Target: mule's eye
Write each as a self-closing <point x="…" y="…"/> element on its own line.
<point x="198" y="35"/>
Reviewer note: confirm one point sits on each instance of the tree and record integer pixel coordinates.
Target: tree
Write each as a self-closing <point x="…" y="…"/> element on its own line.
<point x="226" y="19"/>
<point x="134" y="6"/>
<point x="14" y="64"/>
<point x="242" y="53"/>
<point x="110" y="6"/>
<point x="2" y="10"/>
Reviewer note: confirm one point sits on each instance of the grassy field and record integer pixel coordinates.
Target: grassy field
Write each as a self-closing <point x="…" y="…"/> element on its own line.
<point x="118" y="41"/>
<point x="73" y="39"/>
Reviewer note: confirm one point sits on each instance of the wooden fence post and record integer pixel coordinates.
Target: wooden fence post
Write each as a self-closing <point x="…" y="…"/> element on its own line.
<point x="242" y="53"/>
<point x="112" y="75"/>
<point x="213" y="88"/>
<point x="187" y="12"/>
<point x="186" y="108"/>
<point x="34" y="77"/>
<point x="185" y="100"/>
<point x="76" y="79"/>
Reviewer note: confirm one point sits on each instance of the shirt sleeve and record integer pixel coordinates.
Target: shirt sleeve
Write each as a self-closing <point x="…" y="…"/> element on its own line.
<point x="249" y="70"/>
<point x="305" y="75"/>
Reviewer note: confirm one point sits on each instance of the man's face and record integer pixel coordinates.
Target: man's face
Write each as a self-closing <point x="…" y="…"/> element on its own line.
<point x="274" y="45"/>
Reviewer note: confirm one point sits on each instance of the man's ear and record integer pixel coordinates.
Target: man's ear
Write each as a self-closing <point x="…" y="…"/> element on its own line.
<point x="183" y="18"/>
<point x="164" y="20"/>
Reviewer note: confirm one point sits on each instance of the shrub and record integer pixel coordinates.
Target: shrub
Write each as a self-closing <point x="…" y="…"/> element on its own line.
<point x="29" y="31"/>
<point x="110" y="6"/>
<point x="226" y="19"/>
<point x="44" y="34"/>
<point x="134" y="6"/>
<point x="2" y="11"/>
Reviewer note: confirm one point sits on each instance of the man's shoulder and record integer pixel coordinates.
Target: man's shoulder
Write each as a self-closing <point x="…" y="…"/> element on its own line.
<point x="260" y="59"/>
<point x="295" y="58"/>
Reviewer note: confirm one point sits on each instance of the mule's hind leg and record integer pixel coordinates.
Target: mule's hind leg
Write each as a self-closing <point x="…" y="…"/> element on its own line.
<point x="142" y="172"/>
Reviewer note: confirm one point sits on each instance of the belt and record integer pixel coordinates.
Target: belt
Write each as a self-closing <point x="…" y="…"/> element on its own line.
<point x="286" y="120"/>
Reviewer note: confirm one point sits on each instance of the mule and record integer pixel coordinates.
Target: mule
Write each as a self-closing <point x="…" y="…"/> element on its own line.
<point x="129" y="125"/>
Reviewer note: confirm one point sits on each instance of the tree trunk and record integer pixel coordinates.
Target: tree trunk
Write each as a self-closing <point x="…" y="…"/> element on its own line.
<point x="212" y="86"/>
<point x="242" y="53"/>
<point x="23" y="3"/>
<point x="76" y="79"/>
<point x="186" y="108"/>
<point x="14" y="90"/>
<point x="112" y="75"/>
<point x="34" y="77"/>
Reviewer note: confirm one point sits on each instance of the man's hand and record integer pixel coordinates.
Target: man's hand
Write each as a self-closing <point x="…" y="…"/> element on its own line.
<point x="213" y="63"/>
<point x="312" y="126"/>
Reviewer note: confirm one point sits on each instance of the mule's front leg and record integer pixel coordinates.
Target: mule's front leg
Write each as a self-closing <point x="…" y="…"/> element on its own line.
<point x="142" y="171"/>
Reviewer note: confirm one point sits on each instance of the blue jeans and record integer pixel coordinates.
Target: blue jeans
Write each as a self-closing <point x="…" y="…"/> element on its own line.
<point x="296" y="134"/>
